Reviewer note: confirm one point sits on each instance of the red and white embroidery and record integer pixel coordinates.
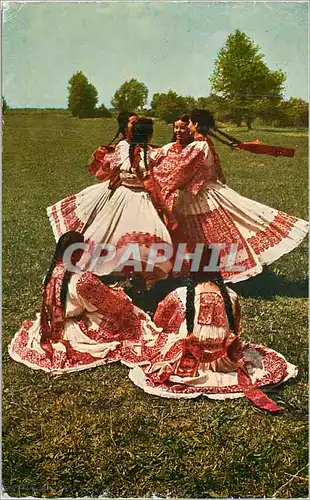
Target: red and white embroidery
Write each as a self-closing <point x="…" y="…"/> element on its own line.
<point x="114" y="303"/>
<point x="185" y="170"/>
<point x="100" y="166"/>
<point x="69" y="217"/>
<point x="212" y="310"/>
<point x="170" y="313"/>
<point x="52" y="311"/>
<point x="277" y="230"/>
<point x="143" y="239"/>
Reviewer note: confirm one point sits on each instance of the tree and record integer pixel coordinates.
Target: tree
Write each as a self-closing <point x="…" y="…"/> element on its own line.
<point x="191" y="103"/>
<point x="292" y="113"/>
<point x="244" y="80"/>
<point x="216" y="104"/>
<point x="169" y="106"/>
<point x="131" y="96"/>
<point x="102" y="112"/>
<point x="83" y="96"/>
<point x="4" y="105"/>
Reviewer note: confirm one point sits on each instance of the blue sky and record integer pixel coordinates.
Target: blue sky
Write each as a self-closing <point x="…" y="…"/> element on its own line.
<point x="163" y="44"/>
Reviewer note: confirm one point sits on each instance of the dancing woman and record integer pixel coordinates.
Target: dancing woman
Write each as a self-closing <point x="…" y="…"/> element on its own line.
<point x="199" y="351"/>
<point x="75" y="212"/>
<point x="135" y="210"/>
<point x="122" y="209"/>
<point x="83" y="322"/>
<point x="210" y="212"/>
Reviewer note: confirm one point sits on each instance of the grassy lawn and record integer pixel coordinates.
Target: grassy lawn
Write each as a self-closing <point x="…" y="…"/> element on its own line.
<point x="94" y="432"/>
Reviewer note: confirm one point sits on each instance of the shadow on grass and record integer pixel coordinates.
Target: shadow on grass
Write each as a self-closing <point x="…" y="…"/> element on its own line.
<point x="268" y="285"/>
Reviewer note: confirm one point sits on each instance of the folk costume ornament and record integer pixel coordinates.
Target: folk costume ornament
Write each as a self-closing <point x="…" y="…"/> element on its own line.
<point x="256" y="146"/>
<point x="208" y="128"/>
<point x="54" y="291"/>
<point x="192" y="348"/>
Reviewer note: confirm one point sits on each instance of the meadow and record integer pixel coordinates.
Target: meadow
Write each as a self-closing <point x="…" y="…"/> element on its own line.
<point x="94" y="433"/>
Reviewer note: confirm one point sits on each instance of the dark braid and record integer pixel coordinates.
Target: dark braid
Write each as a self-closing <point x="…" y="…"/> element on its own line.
<point x="206" y="126"/>
<point x="229" y="137"/>
<point x="145" y="155"/>
<point x="228" y="304"/>
<point x="132" y="153"/>
<point x="50" y="270"/>
<point x="229" y="144"/>
<point x="142" y="131"/>
<point x="63" y="243"/>
<point x="122" y="120"/>
<point x="64" y="288"/>
<point x="190" y="305"/>
<point x="115" y="137"/>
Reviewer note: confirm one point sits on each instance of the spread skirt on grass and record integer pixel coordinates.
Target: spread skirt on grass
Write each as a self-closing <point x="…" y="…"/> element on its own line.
<point x="255" y="234"/>
<point x="101" y="325"/>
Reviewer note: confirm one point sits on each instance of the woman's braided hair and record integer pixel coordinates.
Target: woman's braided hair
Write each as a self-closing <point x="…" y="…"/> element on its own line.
<point x="206" y="126"/>
<point x="141" y="132"/>
<point x="63" y="243"/>
<point x="122" y="121"/>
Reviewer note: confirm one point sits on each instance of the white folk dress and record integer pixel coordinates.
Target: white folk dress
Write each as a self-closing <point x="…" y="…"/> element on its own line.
<point x="120" y="216"/>
<point x="100" y="325"/>
<point x="209" y="212"/>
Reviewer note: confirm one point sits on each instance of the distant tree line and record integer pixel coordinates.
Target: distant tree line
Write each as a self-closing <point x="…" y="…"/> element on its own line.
<point x="243" y="89"/>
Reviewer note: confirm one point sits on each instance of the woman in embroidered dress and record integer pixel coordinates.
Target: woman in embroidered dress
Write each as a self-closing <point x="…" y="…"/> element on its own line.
<point x="83" y="323"/>
<point x="124" y="209"/>
<point x="135" y="213"/>
<point x="199" y="351"/>
<point x="209" y="212"/>
<point x="74" y="212"/>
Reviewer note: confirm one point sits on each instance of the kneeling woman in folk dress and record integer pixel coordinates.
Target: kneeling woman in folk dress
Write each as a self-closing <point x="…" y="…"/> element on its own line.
<point x="83" y="323"/>
<point x="199" y="351"/>
<point x="209" y="212"/>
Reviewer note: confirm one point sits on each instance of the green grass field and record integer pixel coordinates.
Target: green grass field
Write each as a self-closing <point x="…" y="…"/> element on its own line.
<point x="93" y="432"/>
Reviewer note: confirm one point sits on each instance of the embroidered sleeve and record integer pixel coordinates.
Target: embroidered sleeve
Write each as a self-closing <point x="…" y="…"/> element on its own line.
<point x="105" y="299"/>
<point x="179" y="170"/>
<point x="100" y="164"/>
<point x="170" y="313"/>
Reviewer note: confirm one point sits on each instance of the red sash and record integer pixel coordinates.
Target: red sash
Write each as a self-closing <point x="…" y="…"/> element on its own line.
<point x="262" y="149"/>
